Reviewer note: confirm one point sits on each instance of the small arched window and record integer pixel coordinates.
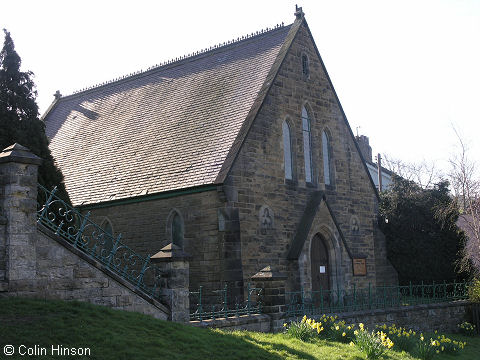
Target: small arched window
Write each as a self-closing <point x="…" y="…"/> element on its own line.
<point x="307" y="147"/>
<point x="177" y="230"/>
<point x="107" y="227"/>
<point x="305" y="68"/>
<point x="287" y="151"/>
<point x="326" y="158"/>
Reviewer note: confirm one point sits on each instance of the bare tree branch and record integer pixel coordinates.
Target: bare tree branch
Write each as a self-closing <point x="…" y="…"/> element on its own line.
<point x="465" y="183"/>
<point x="423" y="173"/>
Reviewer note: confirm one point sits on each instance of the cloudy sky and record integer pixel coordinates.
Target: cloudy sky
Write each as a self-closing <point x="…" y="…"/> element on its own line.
<point x="406" y="72"/>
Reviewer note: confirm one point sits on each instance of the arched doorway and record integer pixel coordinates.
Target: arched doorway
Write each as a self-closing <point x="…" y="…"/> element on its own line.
<point x="320" y="264"/>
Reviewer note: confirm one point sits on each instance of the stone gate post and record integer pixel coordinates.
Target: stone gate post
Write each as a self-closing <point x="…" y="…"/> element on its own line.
<point x="174" y="263"/>
<point x="18" y="210"/>
<point x="273" y="285"/>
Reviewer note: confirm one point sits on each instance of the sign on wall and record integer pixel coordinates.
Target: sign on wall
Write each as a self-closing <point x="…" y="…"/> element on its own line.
<point x="359" y="267"/>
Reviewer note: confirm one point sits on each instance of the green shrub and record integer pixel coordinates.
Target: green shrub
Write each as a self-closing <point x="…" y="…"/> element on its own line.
<point x="426" y="348"/>
<point x="301" y="330"/>
<point x="467" y="329"/>
<point x="474" y="291"/>
<point x="342" y="332"/>
<point x="372" y="344"/>
<point x="449" y="346"/>
<point x="328" y="325"/>
<point x="403" y="339"/>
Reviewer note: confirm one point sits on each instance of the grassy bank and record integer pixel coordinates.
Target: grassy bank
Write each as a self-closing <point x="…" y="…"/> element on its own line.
<point x="111" y="334"/>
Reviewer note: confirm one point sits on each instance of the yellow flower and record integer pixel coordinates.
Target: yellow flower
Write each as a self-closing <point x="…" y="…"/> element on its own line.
<point x="352" y="343"/>
<point x="360" y="326"/>
<point x="337" y="327"/>
<point x="343" y="334"/>
<point x="284" y="325"/>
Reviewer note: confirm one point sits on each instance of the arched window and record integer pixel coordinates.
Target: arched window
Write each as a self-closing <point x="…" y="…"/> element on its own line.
<point x="287" y="151"/>
<point x="305" y="67"/>
<point x="175" y="228"/>
<point x="326" y="158"/>
<point x="107" y="227"/>
<point x="307" y="147"/>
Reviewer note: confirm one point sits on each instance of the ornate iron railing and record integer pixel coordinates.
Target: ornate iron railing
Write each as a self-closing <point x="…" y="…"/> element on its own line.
<point x="333" y="301"/>
<point x="84" y="234"/>
<point x="221" y="308"/>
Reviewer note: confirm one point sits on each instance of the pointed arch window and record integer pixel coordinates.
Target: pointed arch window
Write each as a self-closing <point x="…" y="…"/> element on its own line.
<point x="175" y="228"/>
<point x="107" y="227"/>
<point x="305" y="66"/>
<point x="287" y="151"/>
<point x="307" y="146"/>
<point x="326" y="159"/>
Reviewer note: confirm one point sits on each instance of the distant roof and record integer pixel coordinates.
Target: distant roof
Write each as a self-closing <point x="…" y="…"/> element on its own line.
<point x="171" y="127"/>
<point x="375" y="166"/>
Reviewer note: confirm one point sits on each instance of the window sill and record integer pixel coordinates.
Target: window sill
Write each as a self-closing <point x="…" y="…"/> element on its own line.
<point x="310" y="185"/>
<point x="291" y="184"/>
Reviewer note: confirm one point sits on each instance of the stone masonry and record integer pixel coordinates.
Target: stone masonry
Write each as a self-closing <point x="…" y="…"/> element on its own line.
<point x="249" y="221"/>
<point x="37" y="263"/>
<point x="257" y="178"/>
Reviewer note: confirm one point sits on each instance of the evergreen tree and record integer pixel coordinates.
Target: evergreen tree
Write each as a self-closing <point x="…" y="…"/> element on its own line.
<point x="423" y="240"/>
<point x="19" y="117"/>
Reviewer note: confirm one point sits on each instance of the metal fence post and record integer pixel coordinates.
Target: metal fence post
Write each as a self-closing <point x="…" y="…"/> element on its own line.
<point x="47" y="204"/>
<point x="82" y="228"/>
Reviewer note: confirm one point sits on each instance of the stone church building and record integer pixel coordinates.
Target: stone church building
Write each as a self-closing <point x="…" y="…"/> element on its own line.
<point x="240" y="154"/>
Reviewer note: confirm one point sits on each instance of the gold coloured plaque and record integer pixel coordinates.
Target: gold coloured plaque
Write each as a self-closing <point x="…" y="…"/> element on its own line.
<point x="359" y="267"/>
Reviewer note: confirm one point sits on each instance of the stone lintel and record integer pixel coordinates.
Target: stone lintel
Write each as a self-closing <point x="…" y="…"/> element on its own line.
<point x="19" y="154"/>
<point x="169" y="253"/>
<point x="268" y="274"/>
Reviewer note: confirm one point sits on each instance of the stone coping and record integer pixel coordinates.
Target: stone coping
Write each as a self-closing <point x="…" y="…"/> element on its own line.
<point x="397" y="309"/>
<point x="237" y="321"/>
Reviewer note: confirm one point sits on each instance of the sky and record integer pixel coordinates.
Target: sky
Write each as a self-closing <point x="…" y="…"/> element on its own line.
<point x="406" y="72"/>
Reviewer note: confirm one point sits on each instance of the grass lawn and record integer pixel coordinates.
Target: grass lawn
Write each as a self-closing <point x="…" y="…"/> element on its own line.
<point x="112" y="334"/>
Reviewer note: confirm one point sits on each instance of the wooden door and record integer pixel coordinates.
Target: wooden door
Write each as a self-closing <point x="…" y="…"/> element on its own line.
<point x="320" y="264"/>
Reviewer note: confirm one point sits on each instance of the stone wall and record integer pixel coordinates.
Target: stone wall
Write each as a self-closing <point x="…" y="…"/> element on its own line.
<point x="257" y="322"/>
<point x="211" y="234"/>
<point x="64" y="272"/>
<point x="443" y="317"/>
<point x="257" y="178"/>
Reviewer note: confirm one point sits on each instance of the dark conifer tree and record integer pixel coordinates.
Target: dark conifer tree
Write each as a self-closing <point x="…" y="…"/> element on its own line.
<point x="19" y="117"/>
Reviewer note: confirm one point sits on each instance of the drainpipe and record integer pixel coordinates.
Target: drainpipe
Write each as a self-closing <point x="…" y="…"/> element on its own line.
<point x="379" y="168"/>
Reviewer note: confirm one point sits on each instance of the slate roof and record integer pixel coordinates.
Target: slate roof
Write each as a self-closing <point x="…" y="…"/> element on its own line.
<point x="173" y="127"/>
